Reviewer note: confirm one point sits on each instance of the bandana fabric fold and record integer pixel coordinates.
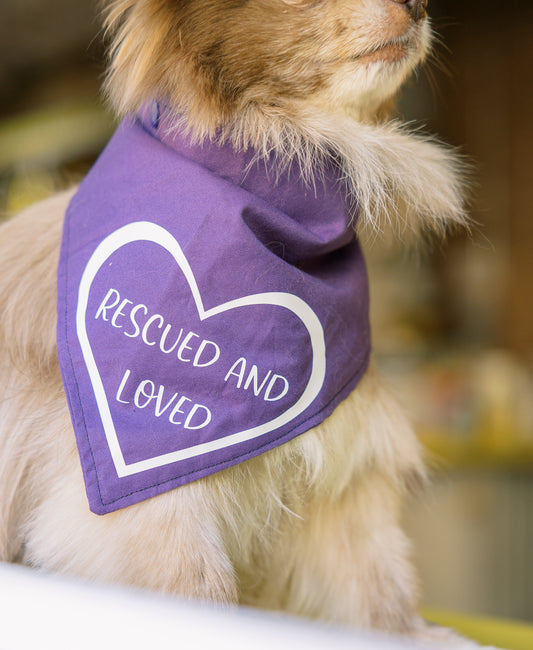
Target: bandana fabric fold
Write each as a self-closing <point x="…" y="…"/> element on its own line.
<point x="211" y="307"/>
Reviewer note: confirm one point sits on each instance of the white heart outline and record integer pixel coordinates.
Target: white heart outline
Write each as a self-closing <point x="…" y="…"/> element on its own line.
<point x="151" y="232"/>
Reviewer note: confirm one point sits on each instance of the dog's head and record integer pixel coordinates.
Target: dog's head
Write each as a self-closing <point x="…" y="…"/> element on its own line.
<point x="212" y="60"/>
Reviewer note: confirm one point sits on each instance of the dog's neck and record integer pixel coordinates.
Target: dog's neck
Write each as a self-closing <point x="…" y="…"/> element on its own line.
<point x="399" y="180"/>
<point x="312" y="195"/>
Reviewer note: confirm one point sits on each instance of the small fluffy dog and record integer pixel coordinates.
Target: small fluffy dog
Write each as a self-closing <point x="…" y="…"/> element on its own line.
<point x="282" y="104"/>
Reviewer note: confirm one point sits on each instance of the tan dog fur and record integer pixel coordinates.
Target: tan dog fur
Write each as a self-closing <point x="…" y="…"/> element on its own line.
<point x="311" y="528"/>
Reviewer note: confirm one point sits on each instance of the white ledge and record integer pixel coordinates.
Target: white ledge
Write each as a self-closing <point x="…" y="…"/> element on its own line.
<point x="40" y="611"/>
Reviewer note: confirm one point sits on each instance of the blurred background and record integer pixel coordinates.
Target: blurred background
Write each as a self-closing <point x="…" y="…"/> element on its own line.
<point x="453" y="325"/>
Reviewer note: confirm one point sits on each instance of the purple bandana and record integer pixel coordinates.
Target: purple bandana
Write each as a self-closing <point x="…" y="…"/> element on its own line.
<point x="210" y="308"/>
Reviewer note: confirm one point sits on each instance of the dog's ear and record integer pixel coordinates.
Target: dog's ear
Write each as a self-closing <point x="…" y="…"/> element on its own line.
<point x="142" y="47"/>
<point x="114" y="10"/>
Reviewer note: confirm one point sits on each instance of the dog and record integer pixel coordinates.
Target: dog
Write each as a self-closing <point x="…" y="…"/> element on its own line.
<point x="284" y="104"/>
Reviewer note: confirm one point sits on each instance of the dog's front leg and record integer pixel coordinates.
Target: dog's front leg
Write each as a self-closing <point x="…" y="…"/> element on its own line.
<point x="170" y="543"/>
<point x="346" y="560"/>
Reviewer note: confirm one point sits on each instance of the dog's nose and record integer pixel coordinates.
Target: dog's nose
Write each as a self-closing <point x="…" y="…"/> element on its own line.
<point x="416" y="8"/>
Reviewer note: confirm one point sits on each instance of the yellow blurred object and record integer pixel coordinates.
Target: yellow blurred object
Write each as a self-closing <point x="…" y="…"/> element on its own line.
<point x="37" y="147"/>
<point x="48" y="137"/>
<point x="504" y="634"/>
<point x="27" y="189"/>
<point x="471" y="408"/>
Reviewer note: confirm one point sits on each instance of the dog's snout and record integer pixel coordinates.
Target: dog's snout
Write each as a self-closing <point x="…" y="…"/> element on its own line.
<point x="416" y="8"/>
